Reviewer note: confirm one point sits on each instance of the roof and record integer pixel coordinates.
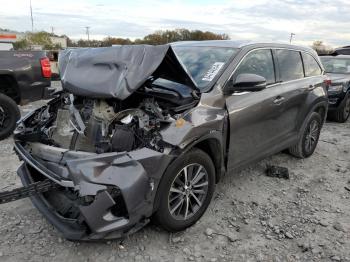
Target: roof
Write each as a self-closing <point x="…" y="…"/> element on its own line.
<point x="237" y="44"/>
<point x="336" y="56"/>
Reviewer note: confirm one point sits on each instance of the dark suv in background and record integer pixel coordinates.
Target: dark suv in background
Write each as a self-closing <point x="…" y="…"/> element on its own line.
<point x="151" y="135"/>
<point x="25" y="76"/>
<point x="338" y="69"/>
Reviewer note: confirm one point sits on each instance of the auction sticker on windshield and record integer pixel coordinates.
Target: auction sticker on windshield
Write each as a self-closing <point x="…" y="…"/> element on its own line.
<point x="212" y="72"/>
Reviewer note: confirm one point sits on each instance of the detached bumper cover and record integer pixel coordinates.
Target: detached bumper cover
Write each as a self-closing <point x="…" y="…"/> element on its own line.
<point x="133" y="175"/>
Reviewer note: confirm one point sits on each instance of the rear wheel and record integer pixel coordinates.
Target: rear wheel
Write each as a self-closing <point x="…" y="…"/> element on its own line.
<point x="343" y="112"/>
<point x="9" y="114"/>
<point x="309" y="138"/>
<point x="185" y="191"/>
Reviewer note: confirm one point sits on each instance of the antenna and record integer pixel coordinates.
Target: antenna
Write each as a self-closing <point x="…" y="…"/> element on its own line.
<point x="291" y="37"/>
<point x="31" y="14"/>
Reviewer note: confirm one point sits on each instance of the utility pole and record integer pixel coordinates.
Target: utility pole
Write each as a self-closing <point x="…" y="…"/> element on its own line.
<point x="291" y="37"/>
<point x="88" y="33"/>
<point x="31" y="14"/>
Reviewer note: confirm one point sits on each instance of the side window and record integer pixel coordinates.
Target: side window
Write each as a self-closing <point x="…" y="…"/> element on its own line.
<point x="258" y="62"/>
<point x="311" y="66"/>
<point x="290" y="64"/>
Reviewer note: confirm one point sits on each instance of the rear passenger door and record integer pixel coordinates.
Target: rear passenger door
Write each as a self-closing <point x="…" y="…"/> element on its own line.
<point x="293" y="88"/>
<point x="293" y="66"/>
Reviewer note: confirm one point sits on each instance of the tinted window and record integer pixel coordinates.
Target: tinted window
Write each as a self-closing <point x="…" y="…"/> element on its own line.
<point x="311" y="66"/>
<point x="290" y="65"/>
<point x="258" y="62"/>
<point x="336" y="65"/>
<point x="204" y="63"/>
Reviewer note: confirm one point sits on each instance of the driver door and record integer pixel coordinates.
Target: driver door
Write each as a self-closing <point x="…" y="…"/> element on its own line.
<point x="256" y="118"/>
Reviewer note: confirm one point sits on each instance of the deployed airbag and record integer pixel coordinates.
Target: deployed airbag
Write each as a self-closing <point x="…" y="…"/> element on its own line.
<point x="118" y="71"/>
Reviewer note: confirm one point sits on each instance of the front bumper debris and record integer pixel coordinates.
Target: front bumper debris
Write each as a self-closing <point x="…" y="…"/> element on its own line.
<point x="103" y="196"/>
<point x="27" y="191"/>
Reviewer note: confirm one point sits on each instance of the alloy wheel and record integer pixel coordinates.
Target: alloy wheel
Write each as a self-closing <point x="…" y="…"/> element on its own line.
<point x="3" y="118"/>
<point x="188" y="191"/>
<point x="311" y="136"/>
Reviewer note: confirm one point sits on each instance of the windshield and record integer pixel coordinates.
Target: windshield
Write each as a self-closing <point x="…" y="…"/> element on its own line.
<point x="204" y="63"/>
<point x="336" y="65"/>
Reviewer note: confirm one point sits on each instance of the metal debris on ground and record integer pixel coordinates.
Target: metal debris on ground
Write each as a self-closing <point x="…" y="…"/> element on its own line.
<point x="27" y="191"/>
<point x="277" y="171"/>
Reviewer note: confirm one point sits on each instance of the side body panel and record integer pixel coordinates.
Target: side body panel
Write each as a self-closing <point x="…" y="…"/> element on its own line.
<point x="265" y="122"/>
<point x="256" y="124"/>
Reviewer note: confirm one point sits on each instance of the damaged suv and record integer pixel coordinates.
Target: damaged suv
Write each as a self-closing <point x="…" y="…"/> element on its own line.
<point x="143" y="132"/>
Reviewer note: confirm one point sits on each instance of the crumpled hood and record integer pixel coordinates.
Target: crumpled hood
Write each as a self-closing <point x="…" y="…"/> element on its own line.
<point x="117" y="72"/>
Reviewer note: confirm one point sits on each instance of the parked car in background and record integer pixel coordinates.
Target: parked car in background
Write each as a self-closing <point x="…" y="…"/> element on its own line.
<point x="24" y="77"/>
<point x="338" y="69"/>
<point x="6" y="46"/>
<point x="345" y="50"/>
<point x="151" y="135"/>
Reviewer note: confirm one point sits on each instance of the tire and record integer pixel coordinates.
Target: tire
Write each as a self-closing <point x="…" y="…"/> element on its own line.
<point x="309" y="137"/>
<point x="9" y="114"/>
<point x="343" y="112"/>
<point x="177" y="220"/>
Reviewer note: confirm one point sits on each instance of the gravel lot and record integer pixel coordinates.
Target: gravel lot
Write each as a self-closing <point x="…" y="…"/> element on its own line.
<point x="251" y="218"/>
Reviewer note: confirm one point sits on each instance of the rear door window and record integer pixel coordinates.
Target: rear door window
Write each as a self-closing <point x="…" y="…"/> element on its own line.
<point x="258" y="62"/>
<point x="290" y="64"/>
<point x="311" y="66"/>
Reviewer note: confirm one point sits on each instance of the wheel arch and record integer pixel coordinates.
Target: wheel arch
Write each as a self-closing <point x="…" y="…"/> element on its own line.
<point x="320" y="107"/>
<point x="9" y="87"/>
<point x="322" y="110"/>
<point x="212" y="144"/>
<point x="212" y="147"/>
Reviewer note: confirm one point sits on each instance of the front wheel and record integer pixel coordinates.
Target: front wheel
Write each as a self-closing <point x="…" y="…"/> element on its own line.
<point x="9" y="114"/>
<point x="309" y="137"/>
<point x="185" y="191"/>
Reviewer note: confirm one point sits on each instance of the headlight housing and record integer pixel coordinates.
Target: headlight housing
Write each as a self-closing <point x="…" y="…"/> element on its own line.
<point x="335" y="88"/>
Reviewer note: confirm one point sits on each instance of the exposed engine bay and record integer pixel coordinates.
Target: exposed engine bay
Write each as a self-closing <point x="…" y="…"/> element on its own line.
<point x="102" y="125"/>
<point x="94" y="157"/>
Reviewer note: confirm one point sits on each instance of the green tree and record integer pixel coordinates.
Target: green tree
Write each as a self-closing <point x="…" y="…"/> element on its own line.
<point x="21" y="45"/>
<point x="168" y="36"/>
<point x="40" y="38"/>
<point x="321" y="48"/>
<point x="156" y="38"/>
<point x="109" y="41"/>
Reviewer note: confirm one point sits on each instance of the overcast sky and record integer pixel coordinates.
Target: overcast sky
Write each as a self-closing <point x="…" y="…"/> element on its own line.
<point x="256" y="20"/>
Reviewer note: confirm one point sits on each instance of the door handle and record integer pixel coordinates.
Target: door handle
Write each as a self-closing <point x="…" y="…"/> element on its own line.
<point x="279" y="100"/>
<point x="311" y="87"/>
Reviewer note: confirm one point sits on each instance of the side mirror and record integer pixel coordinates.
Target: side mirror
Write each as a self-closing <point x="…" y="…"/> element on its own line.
<point x="246" y="83"/>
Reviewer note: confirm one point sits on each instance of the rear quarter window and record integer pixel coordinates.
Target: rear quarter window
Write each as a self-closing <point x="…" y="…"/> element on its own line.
<point x="290" y="64"/>
<point x="312" y="68"/>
